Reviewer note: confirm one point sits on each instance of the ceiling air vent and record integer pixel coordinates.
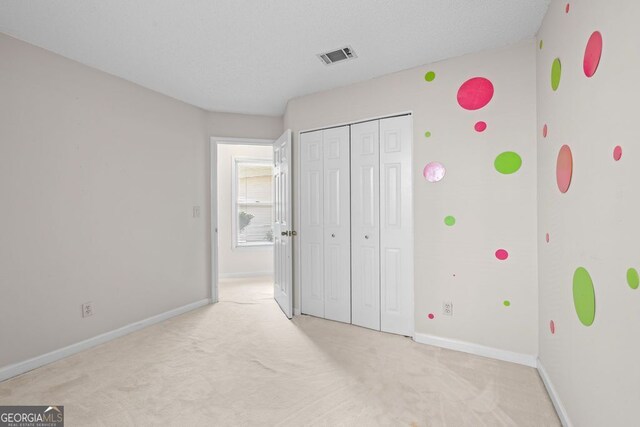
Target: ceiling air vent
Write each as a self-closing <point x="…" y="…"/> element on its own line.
<point x="339" y="55"/>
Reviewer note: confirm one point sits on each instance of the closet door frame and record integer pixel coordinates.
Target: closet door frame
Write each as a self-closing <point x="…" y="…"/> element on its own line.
<point x="297" y="213"/>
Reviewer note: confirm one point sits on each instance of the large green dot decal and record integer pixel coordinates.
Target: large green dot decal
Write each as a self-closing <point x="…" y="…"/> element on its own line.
<point x="556" y="72"/>
<point x="449" y="220"/>
<point x="508" y="162"/>
<point x="584" y="297"/>
<point x="430" y="76"/>
<point x="632" y="278"/>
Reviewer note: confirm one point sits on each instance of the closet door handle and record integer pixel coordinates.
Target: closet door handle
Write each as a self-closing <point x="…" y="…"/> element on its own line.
<point x="366" y="236"/>
<point x="333" y="235"/>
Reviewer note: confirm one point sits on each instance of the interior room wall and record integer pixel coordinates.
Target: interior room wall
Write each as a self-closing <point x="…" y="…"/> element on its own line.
<point x="244" y="125"/>
<point x="238" y="261"/>
<point x="492" y="210"/>
<point x="593" y="366"/>
<point x="98" y="180"/>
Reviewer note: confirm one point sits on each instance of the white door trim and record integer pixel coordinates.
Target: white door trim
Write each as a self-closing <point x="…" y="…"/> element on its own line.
<point x="214" y="141"/>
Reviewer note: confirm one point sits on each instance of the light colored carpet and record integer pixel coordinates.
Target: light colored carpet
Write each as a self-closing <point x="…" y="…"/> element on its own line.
<point x="241" y="363"/>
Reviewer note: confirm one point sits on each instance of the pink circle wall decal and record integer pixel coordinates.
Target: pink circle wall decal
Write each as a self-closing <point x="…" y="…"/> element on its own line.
<point x="475" y="93"/>
<point x="502" y="254"/>
<point x="552" y="327"/>
<point x="564" y="168"/>
<point x="480" y="126"/>
<point x="592" y="54"/>
<point x="431" y="316"/>
<point x="545" y="130"/>
<point x="433" y="172"/>
<point x="547" y="237"/>
<point x="617" y="153"/>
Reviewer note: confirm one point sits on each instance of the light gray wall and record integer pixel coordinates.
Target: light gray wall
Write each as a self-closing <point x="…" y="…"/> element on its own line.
<point x="492" y="210"/>
<point x="98" y="178"/>
<point x="237" y="261"/>
<point x="244" y="125"/>
<point x="595" y="369"/>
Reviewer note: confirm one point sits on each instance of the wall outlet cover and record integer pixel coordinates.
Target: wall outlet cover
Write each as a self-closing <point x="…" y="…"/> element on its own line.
<point x="447" y="308"/>
<point x="87" y="309"/>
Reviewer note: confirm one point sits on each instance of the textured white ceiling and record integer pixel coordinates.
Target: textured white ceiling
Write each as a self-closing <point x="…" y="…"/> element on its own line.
<point x="252" y="56"/>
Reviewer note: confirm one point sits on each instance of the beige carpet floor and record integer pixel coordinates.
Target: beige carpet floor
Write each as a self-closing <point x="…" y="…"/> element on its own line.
<point x="241" y="363"/>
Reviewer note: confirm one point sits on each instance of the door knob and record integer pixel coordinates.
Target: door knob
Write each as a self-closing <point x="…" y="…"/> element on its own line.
<point x="333" y="235"/>
<point x="366" y="236"/>
<point x="283" y="233"/>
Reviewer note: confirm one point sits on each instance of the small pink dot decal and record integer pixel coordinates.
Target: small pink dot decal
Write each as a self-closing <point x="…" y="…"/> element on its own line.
<point x="547" y="237"/>
<point x="564" y="168"/>
<point x="617" y="153"/>
<point x="480" y="126"/>
<point x="566" y="8"/>
<point x="552" y="327"/>
<point x="545" y="129"/>
<point x="592" y="54"/>
<point x="475" y="93"/>
<point x="433" y="172"/>
<point x="431" y="316"/>
<point x="502" y="254"/>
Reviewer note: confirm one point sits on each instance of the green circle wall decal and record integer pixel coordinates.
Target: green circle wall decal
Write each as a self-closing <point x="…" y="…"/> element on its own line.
<point x="508" y="162"/>
<point x="632" y="278"/>
<point x="584" y="297"/>
<point x="506" y="303"/>
<point x="556" y="72"/>
<point x="449" y="220"/>
<point x="427" y="134"/>
<point x="430" y="76"/>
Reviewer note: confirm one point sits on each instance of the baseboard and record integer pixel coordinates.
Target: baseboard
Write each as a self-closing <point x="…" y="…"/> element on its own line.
<point x="555" y="398"/>
<point x="10" y="371"/>
<point x="477" y="349"/>
<point x="244" y="274"/>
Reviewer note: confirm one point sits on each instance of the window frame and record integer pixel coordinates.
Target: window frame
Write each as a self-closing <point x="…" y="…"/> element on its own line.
<point x="236" y="160"/>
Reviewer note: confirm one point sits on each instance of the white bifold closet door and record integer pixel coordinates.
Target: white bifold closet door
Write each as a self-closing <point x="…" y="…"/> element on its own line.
<point x="381" y="228"/>
<point x="325" y="224"/>
<point x="365" y="225"/>
<point x="396" y="228"/>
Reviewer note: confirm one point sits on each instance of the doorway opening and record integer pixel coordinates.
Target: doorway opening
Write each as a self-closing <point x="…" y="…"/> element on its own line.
<point x="251" y="217"/>
<point x="244" y="212"/>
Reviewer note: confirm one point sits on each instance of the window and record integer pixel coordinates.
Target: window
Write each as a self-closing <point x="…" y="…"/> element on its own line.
<point x="252" y="210"/>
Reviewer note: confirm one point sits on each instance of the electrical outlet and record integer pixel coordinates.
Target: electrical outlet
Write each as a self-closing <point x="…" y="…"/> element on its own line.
<point x="447" y="308"/>
<point x="196" y="211"/>
<point x="87" y="309"/>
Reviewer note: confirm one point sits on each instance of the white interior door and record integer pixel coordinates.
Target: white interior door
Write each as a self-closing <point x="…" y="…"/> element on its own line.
<point x="365" y="225"/>
<point x="337" y="224"/>
<point x="312" y="224"/>
<point x="282" y="232"/>
<point x="396" y="237"/>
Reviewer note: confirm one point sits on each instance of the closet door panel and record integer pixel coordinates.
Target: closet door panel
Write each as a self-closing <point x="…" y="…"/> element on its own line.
<point x="396" y="240"/>
<point x="337" y="218"/>
<point x="365" y="225"/>
<point x="312" y="224"/>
